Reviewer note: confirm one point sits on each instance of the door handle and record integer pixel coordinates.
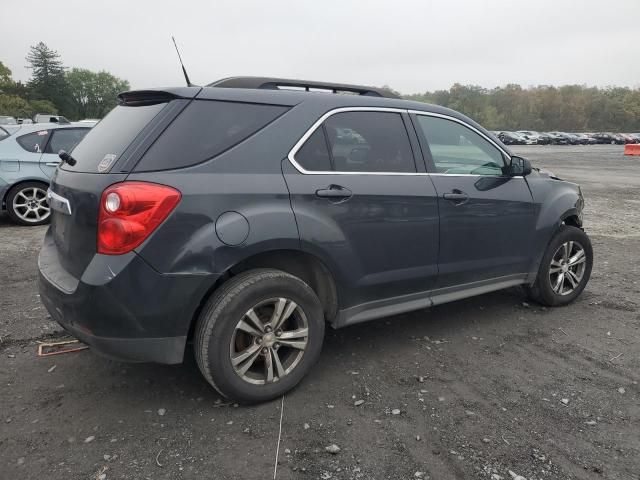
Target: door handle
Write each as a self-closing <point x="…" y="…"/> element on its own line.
<point x="52" y="164"/>
<point x="334" y="191"/>
<point x="456" y="197"/>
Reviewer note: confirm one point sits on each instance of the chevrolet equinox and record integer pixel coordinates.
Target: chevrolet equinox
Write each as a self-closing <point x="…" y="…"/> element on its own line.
<point x="245" y="215"/>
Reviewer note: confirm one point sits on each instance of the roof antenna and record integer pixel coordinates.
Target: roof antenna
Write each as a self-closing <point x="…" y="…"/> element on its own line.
<point x="186" y="77"/>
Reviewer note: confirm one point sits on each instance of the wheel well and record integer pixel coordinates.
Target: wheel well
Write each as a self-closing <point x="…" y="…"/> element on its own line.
<point x="573" y="220"/>
<point x="295" y="262"/>
<point x="32" y="180"/>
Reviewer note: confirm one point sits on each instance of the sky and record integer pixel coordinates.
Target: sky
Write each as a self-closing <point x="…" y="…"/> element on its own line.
<point x="412" y="46"/>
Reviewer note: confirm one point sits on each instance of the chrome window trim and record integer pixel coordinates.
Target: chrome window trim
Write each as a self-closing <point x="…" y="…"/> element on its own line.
<point x="317" y="123"/>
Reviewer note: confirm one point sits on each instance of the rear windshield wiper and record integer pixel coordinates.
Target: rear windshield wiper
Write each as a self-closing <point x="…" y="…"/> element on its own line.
<point x="66" y="158"/>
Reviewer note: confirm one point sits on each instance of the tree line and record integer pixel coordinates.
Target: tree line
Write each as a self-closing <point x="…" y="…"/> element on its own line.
<point x="79" y="93"/>
<point x="569" y="108"/>
<point x="75" y="93"/>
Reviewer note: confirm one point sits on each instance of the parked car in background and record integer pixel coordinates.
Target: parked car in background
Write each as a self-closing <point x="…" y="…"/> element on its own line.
<point x="607" y="137"/>
<point x="526" y="140"/>
<point x="539" y="138"/>
<point x="248" y="217"/>
<point x="28" y="158"/>
<point x="576" y="139"/>
<point x="536" y="137"/>
<point x="510" y="138"/>
<point x="48" y="118"/>
<point x="586" y="139"/>
<point x="628" y="138"/>
<point x="558" y="138"/>
<point x="8" y="120"/>
<point x="86" y="122"/>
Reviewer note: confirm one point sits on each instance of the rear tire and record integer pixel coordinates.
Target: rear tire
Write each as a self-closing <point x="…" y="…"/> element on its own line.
<point x="27" y="204"/>
<point x="258" y="335"/>
<point x="565" y="268"/>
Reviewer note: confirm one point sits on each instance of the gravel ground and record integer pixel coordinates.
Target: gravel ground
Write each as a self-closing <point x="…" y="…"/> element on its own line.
<point x="474" y="389"/>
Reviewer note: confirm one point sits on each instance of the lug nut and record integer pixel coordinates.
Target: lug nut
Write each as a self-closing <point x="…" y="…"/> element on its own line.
<point x="278" y="333"/>
<point x="276" y="346"/>
<point x="267" y="329"/>
<point x="264" y="350"/>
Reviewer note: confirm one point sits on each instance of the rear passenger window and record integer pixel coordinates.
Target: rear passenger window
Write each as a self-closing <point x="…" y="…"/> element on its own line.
<point x="314" y="154"/>
<point x="34" y="142"/>
<point x="369" y="142"/>
<point x="206" y="129"/>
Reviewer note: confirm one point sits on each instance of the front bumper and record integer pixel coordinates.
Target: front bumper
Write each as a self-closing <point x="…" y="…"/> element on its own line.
<point x="121" y="307"/>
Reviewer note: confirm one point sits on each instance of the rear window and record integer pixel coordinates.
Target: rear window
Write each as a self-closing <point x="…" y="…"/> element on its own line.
<point x="111" y="136"/>
<point x="205" y="129"/>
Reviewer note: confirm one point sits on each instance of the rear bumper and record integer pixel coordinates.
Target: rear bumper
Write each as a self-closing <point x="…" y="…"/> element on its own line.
<point x="159" y="350"/>
<point x="121" y="307"/>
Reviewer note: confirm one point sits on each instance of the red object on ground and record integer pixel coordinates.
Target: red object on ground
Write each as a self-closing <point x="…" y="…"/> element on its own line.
<point x="632" y="149"/>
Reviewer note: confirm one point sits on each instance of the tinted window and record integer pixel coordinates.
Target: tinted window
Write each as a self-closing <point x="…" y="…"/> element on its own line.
<point x="314" y="154"/>
<point x="456" y="149"/>
<point x="112" y="135"/>
<point x="369" y="142"/>
<point x="3" y="134"/>
<point x="34" y="142"/>
<point x="65" y="139"/>
<point x="205" y="129"/>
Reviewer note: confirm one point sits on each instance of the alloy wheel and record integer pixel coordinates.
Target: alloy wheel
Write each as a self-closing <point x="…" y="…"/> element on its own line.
<point x="567" y="267"/>
<point x="30" y="204"/>
<point x="269" y="341"/>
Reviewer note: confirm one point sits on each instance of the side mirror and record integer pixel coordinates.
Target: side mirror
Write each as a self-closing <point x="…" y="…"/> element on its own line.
<point x="519" y="166"/>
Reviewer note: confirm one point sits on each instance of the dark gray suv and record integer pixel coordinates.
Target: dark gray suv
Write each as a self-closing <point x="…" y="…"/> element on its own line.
<point x="248" y="214"/>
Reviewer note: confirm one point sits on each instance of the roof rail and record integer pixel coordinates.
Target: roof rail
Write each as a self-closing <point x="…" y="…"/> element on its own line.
<point x="267" y="83"/>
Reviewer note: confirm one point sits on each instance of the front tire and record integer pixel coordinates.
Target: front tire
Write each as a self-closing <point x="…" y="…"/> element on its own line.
<point x="27" y="204"/>
<point x="258" y="335"/>
<point x="565" y="268"/>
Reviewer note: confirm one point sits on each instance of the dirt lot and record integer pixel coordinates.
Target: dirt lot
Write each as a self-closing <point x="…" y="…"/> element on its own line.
<point x="484" y="386"/>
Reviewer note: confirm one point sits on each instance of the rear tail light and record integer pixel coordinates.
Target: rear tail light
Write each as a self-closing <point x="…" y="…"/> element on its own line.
<point x="129" y="212"/>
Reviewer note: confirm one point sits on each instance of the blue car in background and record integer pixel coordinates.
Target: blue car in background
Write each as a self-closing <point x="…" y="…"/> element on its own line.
<point x="28" y="158"/>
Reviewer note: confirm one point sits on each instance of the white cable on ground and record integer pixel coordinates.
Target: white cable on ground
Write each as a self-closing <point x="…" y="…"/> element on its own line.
<point x="275" y="466"/>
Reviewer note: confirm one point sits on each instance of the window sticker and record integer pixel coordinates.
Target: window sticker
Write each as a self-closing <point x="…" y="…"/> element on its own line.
<point x="106" y="162"/>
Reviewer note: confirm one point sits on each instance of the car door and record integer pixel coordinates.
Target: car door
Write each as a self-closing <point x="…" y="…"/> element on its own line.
<point x="362" y="205"/>
<point x="486" y="214"/>
<point x="60" y="139"/>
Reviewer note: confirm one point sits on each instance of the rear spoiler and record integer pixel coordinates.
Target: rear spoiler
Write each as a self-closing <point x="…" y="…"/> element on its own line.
<point x="138" y="98"/>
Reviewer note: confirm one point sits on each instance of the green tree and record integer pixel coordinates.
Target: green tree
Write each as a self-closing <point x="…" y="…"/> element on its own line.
<point x="48" y="78"/>
<point x="94" y="94"/>
<point x="5" y="77"/>
<point x="573" y="108"/>
<point x="14" y="106"/>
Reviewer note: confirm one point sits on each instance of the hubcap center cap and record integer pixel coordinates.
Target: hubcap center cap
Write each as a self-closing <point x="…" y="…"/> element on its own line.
<point x="268" y="339"/>
<point x="565" y="268"/>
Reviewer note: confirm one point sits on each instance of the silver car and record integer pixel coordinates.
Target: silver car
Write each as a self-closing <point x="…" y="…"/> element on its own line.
<point x="28" y="158"/>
